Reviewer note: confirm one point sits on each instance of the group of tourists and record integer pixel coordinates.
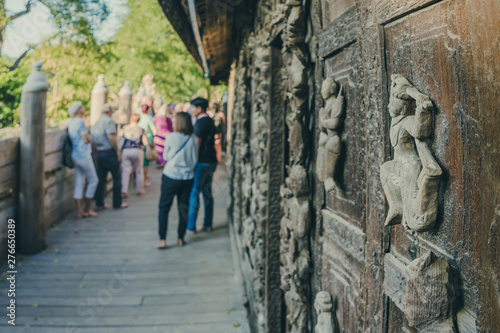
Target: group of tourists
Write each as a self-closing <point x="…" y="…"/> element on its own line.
<point x="184" y="141"/>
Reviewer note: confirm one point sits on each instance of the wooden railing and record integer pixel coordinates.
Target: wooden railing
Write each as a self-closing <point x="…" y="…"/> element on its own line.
<point x="58" y="183"/>
<point x="36" y="190"/>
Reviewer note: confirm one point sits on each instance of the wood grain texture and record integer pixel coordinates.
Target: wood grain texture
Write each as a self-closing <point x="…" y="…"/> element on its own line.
<point x="389" y="10"/>
<point x="338" y="34"/>
<point x="30" y="226"/>
<point x="9" y="149"/>
<point x="349" y="237"/>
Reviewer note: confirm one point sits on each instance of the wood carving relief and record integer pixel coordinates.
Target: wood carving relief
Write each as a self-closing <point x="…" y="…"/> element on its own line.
<point x="411" y="179"/>
<point x="429" y="294"/>
<point x="330" y="118"/>
<point x="295" y="256"/>
<point x="295" y="226"/>
<point x="325" y="309"/>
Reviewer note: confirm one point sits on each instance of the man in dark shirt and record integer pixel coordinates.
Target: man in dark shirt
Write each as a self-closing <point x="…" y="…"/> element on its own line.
<point x="204" y="129"/>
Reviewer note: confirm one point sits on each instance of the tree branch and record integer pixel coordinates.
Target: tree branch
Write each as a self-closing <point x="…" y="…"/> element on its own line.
<point x="24" y="12"/>
<point x="16" y="64"/>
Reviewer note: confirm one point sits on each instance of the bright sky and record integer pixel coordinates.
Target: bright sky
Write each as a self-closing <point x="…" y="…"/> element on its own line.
<point x="37" y="25"/>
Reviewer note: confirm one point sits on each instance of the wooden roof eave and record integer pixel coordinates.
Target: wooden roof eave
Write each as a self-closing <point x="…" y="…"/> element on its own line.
<point x="180" y="22"/>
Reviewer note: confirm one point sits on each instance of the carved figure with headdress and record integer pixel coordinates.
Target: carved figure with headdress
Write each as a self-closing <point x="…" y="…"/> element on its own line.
<point x="411" y="179"/>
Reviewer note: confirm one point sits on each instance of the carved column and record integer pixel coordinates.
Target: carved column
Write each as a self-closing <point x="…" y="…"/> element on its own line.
<point x="99" y="98"/>
<point x="295" y="256"/>
<point x="276" y="144"/>
<point x="31" y="227"/>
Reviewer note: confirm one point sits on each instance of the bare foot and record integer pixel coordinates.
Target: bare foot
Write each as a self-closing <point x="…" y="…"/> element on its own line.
<point x="81" y="214"/>
<point x="91" y="213"/>
<point x="141" y="193"/>
<point x="181" y="242"/>
<point x="103" y="207"/>
<point x="146" y="184"/>
<point x="123" y="205"/>
<point x="161" y="245"/>
<point x="190" y="232"/>
<point x="124" y="195"/>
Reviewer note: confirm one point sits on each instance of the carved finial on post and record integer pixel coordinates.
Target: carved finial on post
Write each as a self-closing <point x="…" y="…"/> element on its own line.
<point x="99" y="98"/>
<point x="31" y="226"/>
<point x="36" y="81"/>
<point x="125" y="95"/>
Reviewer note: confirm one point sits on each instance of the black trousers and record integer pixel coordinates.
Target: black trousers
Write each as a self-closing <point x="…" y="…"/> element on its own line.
<point x="108" y="162"/>
<point x="169" y="189"/>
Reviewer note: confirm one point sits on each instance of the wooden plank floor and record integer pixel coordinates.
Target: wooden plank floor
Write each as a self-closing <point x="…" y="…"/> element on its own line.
<point x="105" y="275"/>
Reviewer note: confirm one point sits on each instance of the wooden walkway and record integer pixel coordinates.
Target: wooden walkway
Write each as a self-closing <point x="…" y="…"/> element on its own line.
<point x="105" y="275"/>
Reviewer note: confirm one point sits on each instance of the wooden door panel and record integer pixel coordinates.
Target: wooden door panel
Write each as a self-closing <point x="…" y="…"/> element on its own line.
<point x="430" y="48"/>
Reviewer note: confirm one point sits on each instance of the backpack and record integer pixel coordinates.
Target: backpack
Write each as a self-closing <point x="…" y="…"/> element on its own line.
<point x="66" y="152"/>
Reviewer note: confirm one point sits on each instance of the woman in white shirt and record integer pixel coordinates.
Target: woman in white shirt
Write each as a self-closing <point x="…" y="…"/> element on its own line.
<point x="181" y="154"/>
<point x="84" y="165"/>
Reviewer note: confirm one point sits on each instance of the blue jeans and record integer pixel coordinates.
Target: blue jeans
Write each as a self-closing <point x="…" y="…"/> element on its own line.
<point x="203" y="174"/>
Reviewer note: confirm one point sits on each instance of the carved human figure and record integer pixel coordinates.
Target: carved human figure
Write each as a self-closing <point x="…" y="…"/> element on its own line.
<point x="411" y="179"/>
<point x="296" y="312"/>
<point x="295" y="226"/>
<point x="330" y="118"/>
<point x="324" y="308"/>
<point x="296" y="29"/>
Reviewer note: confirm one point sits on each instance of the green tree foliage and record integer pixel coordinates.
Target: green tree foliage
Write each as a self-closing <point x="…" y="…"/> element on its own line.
<point x="146" y="43"/>
<point x="71" y="69"/>
<point x="11" y="84"/>
<point x="77" y="19"/>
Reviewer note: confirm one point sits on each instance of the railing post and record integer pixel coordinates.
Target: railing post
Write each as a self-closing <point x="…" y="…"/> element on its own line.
<point x="31" y="227"/>
<point x="99" y="98"/>
<point x="125" y="111"/>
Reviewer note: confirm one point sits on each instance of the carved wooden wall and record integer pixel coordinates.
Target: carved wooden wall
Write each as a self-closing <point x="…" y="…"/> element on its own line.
<point x="319" y="165"/>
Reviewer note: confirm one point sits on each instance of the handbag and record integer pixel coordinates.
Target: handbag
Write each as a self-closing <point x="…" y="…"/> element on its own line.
<point x="66" y="152"/>
<point x="151" y="153"/>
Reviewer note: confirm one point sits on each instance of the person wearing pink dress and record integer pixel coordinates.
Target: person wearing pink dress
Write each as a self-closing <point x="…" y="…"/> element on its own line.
<point x="163" y="126"/>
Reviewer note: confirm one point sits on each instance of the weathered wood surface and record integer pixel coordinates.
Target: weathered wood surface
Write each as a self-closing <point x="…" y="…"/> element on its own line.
<point x="448" y="50"/>
<point x="58" y="182"/>
<point x="347" y="236"/>
<point x="30" y="235"/>
<point x="190" y="289"/>
<point x="388" y="10"/>
<point x="340" y="33"/>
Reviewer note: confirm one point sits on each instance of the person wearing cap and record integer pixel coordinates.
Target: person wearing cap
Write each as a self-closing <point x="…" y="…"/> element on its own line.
<point x="103" y="135"/>
<point x="204" y="129"/>
<point x="82" y="159"/>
